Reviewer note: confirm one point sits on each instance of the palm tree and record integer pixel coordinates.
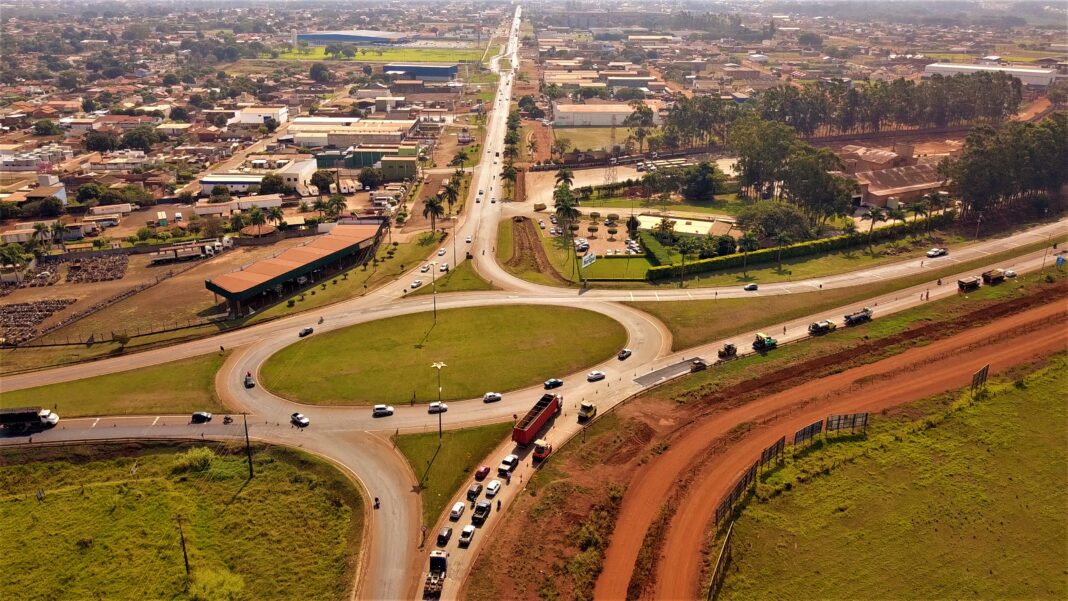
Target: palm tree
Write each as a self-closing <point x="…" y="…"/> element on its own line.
<point x="433" y="209"/>
<point x="460" y="158"/>
<point x="532" y="147"/>
<point x="781" y="239"/>
<point x="257" y="218"/>
<point x="237" y="221"/>
<point x="39" y="231"/>
<point x="565" y="176"/>
<point x="509" y="175"/>
<point x="665" y="230"/>
<point x="321" y="206"/>
<point x="567" y="214"/>
<point x="275" y="215"/>
<point x="685" y="246"/>
<point x="897" y="214"/>
<point x="451" y="191"/>
<point x="57" y="230"/>
<point x="873" y="214"/>
<point x="919" y="209"/>
<point x="336" y="204"/>
<point x="14" y="255"/>
<point x="747" y="244"/>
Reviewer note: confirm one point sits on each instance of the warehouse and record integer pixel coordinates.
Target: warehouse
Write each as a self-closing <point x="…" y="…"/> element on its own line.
<point x="353" y="36"/>
<point x="347" y="245"/>
<point x="1028" y="76"/>
<point x="423" y="71"/>
<point x="366" y="132"/>
<point x="234" y="182"/>
<point x="597" y="115"/>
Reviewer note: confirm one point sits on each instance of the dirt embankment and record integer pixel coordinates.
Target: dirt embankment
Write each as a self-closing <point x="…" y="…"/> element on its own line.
<point x="527" y="250"/>
<point x="943" y="365"/>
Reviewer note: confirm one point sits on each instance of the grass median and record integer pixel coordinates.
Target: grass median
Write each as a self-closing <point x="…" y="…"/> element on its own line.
<point x="107" y="526"/>
<point x="178" y="387"/>
<point x="463" y="278"/>
<point x="444" y="469"/>
<point x="485" y="348"/>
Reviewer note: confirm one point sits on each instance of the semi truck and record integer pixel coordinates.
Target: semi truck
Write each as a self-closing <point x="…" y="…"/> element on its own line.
<point x="821" y="327"/>
<point x="435" y="577"/>
<point x="542" y="449"/>
<point x="969" y="283"/>
<point x="19" y="419"/>
<point x="764" y="342"/>
<point x="858" y="317"/>
<point x="994" y="276"/>
<point x="526" y="429"/>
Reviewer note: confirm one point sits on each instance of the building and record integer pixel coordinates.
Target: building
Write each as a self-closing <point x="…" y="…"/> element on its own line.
<point x="355" y="133"/>
<point x="899" y="185"/>
<point x="125" y="122"/>
<point x="254" y="115"/>
<point x="234" y="182"/>
<point x="297" y="174"/>
<point x="1028" y="76"/>
<point x="397" y="168"/>
<point x="423" y="71"/>
<point x="597" y="115"/>
<point x="263" y="201"/>
<point x="351" y="36"/>
<point x="38" y="159"/>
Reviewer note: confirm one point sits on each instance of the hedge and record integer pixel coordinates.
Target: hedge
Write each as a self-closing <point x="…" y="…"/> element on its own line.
<point x="657" y="252"/>
<point x="666" y="271"/>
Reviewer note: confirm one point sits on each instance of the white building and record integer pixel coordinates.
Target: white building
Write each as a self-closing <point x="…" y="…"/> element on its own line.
<point x="253" y="115"/>
<point x="235" y="182"/>
<point x="1029" y="76"/>
<point x="597" y="115"/>
<point x="297" y="173"/>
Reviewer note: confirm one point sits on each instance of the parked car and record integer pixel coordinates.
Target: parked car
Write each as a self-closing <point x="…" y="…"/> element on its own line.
<point x="937" y="252"/>
<point x="474" y="492"/>
<point x="200" y="417"/>
<point x="416" y="284"/>
<point x="382" y="410"/>
<point x="750" y="288"/>
<point x="482" y="472"/>
<point x="492" y="488"/>
<point x="444" y="536"/>
<point x="595" y="376"/>
<point x="481" y="512"/>
<point x="1010" y="273"/>
<point x="468" y="239"/>
<point x="553" y="383"/>
<point x="299" y="420"/>
<point x="437" y="407"/>
<point x="467" y="535"/>
<point x="624" y="354"/>
<point x="457" y="511"/>
<point x="492" y="397"/>
<point x="508" y="464"/>
<point x="305" y="332"/>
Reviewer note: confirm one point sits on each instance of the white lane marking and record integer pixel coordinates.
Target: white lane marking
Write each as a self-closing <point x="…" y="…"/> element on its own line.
<point x="95" y="422"/>
<point x="155" y="420"/>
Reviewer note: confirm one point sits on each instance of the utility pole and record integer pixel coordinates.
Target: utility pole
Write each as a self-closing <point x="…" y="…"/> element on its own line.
<point x="434" y="287"/>
<point x="248" y="446"/>
<point x="978" y="222"/>
<point x="438" y="365"/>
<point x="185" y="555"/>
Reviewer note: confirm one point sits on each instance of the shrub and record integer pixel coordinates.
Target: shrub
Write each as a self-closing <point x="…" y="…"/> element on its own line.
<point x="194" y="460"/>
<point x="657" y="252"/>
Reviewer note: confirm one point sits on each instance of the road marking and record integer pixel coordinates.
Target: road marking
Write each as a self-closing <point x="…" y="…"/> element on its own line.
<point x="95" y="422"/>
<point x="155" y="420"/>
<point x="657" y="295"/>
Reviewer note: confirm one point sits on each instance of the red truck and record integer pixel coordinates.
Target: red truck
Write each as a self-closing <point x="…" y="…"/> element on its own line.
<point x="526" y="429"/>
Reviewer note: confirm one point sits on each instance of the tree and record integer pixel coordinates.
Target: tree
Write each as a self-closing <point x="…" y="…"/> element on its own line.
<point x="142" y="137"/>
<point x="873" y="214"/>
<point x="370" y="177"/>
<point x="46" y="207"/>
<point x="320" y="206"/>
<point x="702" y="182"/>
<point x="641" y="119"/>
<point x="433" y="209"/>
<point x="272" y="184"/>
<point x="781" y="240"/>
<point x="921" y="208"/>
<point x="220" y="193"/>
<point x="767" y="218"/>
<point x="685" y="246"/>
<point x="560" y="147"/>
<point x="45" y="127"/>
<point x="90" y="193"/>
<point x="212" y="227"/>
<point x="460" y="159"/>
<point x="179" y="113"/>
<point x="532" y="147"/>
<point x="509" y="175"/>
<point x="14" y="255"/>
<point x="565" y="176"/>
<point x="320" y="73"/>
<point x="275" y="215"/>
<point x="567" y="214"/>
<point x="41" y="232"/>
<point x="336" y="204"/>
<point x="322" y="180"/>
<point x="747" y="244"/>
<point x="451" y="193"/>
<point x="810" y="39"/>
<point x="98" y="141"/>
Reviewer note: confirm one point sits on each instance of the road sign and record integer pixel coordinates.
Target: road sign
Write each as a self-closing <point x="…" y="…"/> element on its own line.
<point x="588" y="259"/>
<point x="1060" y="261"/>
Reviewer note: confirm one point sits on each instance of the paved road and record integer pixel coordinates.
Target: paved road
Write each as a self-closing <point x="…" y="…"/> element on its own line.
<point x="359" y="443"/>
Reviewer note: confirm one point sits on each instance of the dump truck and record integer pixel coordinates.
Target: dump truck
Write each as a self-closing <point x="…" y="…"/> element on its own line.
<point x="19" y="419"/>
<point x="526" y="429"/>
<point x="969" y="283"/>
<point x="698" y="364"/>
<point x="435" y="577"/>
<point x="764" y="342"/>
<point x="821" y="327"/>
<point x="542" y="449"/>
<point x="728" y="351"/>
<point x="858" y="317"/>
<point x="587" y="411"/>
<point x="994" y="276"/>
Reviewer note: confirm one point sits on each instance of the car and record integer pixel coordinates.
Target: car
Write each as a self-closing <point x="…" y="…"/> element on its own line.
<point x="299" y="420"/>
<point x="750" y="288"/>
<point x="200" y="417"/>
<point x="478" y="200"/>
<point x="481" y="473"/>
<point x="305" y="332"/>
<point x="508" y="464"/>
<point x="467" y="535"/>
<point x="444" y="267"/>
<point x="381" y="410"/>
<point x="481" y="512"/>
<point x="437" y="407"/>
<point x="553" y="383"/>
<point x="493" y="201"/>
<point x="595" y="376"/>
<point x="444" y="536"/>
<point x="468" y="239"/>
<point x="492" y="488"/>
<point x="481" y="192"/>
<point x="1010" y="273"/>
<point x="416" y="284"/>
<point x="698" y="365"/>
<point x="474" y="492"/>
<point x="624" y="354"/>
<point x="457" y="511"/>
<point x="937" y="252"/>
<point x="541" y="224"/>
<point x="492" y="397"/>
<point x="441" y="252"/>
<point x="249" y="382"/>
<point x="424" y="268"/>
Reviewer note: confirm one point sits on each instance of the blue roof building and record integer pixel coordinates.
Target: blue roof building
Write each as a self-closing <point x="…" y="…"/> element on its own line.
<point x="424" y="71"/>
<point x="352" y="36"/>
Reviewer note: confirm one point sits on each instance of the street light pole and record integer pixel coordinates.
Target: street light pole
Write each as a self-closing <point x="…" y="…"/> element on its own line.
<point x="434" y="287"/>
<point x="438" y="365"/>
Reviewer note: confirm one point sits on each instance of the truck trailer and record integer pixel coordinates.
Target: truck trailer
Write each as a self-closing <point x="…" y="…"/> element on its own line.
<point x="19" y="419"/>
<point x="435" y="577"/>
<point x="858" y="317"/>
<point x="526" y="429"/>
<point x="994" y="276"/>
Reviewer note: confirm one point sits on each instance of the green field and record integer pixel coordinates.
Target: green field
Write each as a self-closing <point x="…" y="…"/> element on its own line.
<point x="725" y="204"/>
<point x="388" y="55"/>
<point x="178" y="387"/>
<point x="443" y="470"/>
<point x="488" y="348"/>
<point x="107" y="525"/>
<point x="459" y="279"/>
<point x="966" y="503"/>
<point x="591" y="138"/>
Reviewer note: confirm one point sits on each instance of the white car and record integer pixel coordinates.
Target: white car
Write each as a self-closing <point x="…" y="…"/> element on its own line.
<point x="1010" y="273"/>
<point x="469" y="239"/>
<point x="457" y="511"/>
<point x="492" y="397"/>
<point x="467" y="535"/>
<point x="437" y="407"/>
<point x="595" y="376"/>
<point x="381" y="410"/>
<point x="444" y="267"/>
<point x="493" y="488"/>
<point x="937" y="252"/>
<point x="441" y="252"/>
<point x="424" y="268"/>
<point x="416" y="284"/>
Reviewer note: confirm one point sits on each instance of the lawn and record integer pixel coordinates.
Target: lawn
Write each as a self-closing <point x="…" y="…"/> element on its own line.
<point x="179" y="387"/>
<point x="388" y="55"/>
<point x="443" y="470"/>
<point x="591" y="138"/>
<point x="699" y="321"/>
<point x="389" y="360"/>
<point x="968" y="502"/>
<point x="107" y="526"/>
<point x="724" y="204"/>
<point x="459" y="279"/>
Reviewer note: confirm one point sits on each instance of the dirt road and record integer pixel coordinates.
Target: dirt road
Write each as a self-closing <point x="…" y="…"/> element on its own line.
<point x="938" y="367"/>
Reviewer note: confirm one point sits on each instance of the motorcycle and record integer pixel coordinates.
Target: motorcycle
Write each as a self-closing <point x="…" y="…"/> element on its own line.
<point x="228" y="420"/>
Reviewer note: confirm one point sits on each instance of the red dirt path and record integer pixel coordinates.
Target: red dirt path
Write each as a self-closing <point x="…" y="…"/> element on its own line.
<point x="938" y="367"/>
